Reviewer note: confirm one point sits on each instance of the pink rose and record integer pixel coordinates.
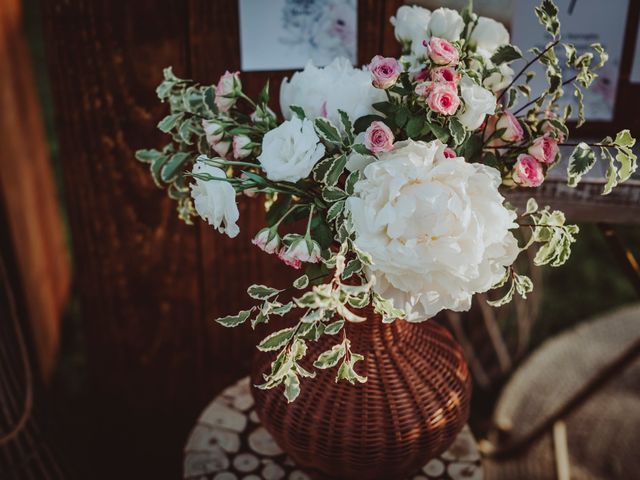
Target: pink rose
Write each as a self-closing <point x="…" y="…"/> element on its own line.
<point x="299" y="252"/>
<point x="226" y="90"/>
<point x="240" y="148"/>
<point x="385" y="71"/>
<point x="441" y="52"/>
<point x="267" y="240"/>
<point x="513" y="131"/>
<point x="422" y="75"/>
<point x="449" y="153"/>
<point x="444" y="98"/>
<point x="222" y="148"/>
<point x="548" y="128"/>
<point x="527" y="171"/>
<point x="445" y="74"/>
<point x="424" y="89"/>
<point x="544" y="149"/>
<point x="378" y="137"/>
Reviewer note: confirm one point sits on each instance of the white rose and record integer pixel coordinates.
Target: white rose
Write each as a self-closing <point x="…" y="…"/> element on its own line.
<point x="290" y="151"/>
<point x="446" y="23"/>
<point x="436" y="228"/>
<point x="215" y="200"/>
<point x="322" y="91"/>
<point x="488" y="35"/>
<point x="478" y="102"/>
<point x="411" y="24"/>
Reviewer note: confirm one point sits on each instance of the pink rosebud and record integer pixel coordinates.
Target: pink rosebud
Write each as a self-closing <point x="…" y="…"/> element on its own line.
<point x="513" y="131"/>
<point x="422" y="75"/>
<point x="226" y="90"/>
<point x="299" y="252"/>
<point x="240" y="149"/>
<point x="544" y="149"/>
<point x="248" y="192"/>
<point x="267" y="240"/>
<point x="424" y="89"/>
<point x="445" y="74"/>
<point x="449" y="153"/>
<point x="548" y="128"/>
<point x="222" y="148"/>
<point x="213" y="131"/>
<point x="378" y="137"/>
<point x="442" y="52"/>
<point x="385" y="71"/>
<point x="527" y="171"/>
<point x="444" y="98"/>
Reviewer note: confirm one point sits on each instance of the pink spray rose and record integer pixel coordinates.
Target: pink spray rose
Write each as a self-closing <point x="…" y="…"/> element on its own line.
<point x="385" y="71"/>
<point x="267" y="240"/>
<point x="226" y="90"/>
<point x="544" y="149"/>
<point x="422" y="75"/>
<point x="449" y="153"/>
<point x="445" y="74"/>
<point x="513" y="131"/>
<point x="299" y="252"/>
<point x="527" y="171"/>
<point x="240" y="149"/>
<point x="424" y="89"/>
<point x="378" y="137"/>
<point x="442" y="52"/>
<point x="444" y="98"/>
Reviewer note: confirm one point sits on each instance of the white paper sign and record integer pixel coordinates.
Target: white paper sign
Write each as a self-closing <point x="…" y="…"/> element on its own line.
<point x="583" y="22"/>
<point x="286" y="34"/>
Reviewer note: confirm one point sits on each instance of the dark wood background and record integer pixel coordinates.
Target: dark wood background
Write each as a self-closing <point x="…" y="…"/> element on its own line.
<point x="150" y="286"/>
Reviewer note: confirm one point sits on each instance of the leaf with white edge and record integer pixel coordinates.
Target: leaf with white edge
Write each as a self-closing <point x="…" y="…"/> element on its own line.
<point x="334" y="327"/>
<point x="169" y="122"/>
<point x="547" y="13"/>
<point x="282" y="309"/>
<point x="347" y="371"/>
<point x="502" y="282"/>
<point x="580" y="101"/>
<point x="298" y="111"/>
<point x="148" y="156"/>
<point x="364" y="257"/>
<point x="174" y="166"/>
<point x="346" y="123"/>
<point x="506" y="298"/>
<point x="234" y="320"/>
<point x="312" y="315"/>
<point x="353" y="266"/>
<point x="506" y="54"/>
<point x="328" y="131"/>
<point x="362" y="150"/>
<point x="532" y="206"/>
<point x="333" y="194"/>
<point x="580" y="162"/>
<point x="352" y="179"/>
<point x="458" y="133"/>
<point x="277" y="339"/>
<point x="624" y="139"/>
<point x="301" y="282"/>
<point x="262" y="292"/>
<point x="330" y="358"/>
<point x="523" y="285"/>
<point x="335" y="170"/>
<point x="335" y="210"/>
<point x="291" y="386"/>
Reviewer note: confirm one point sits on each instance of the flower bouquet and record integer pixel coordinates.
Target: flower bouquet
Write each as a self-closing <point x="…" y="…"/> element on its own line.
<point x="387" y="178"/>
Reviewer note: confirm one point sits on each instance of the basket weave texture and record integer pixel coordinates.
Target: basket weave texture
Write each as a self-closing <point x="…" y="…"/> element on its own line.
<point x="415" y="402"/>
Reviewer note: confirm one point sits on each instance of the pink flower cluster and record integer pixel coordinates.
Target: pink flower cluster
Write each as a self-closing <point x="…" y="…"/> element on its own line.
<point x="528" y="170"/>
<point x="293" y="255"/>
<point x="439" y="86"/>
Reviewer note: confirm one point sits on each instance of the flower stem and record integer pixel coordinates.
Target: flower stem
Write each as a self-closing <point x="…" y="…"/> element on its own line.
<point x="286" y="214"/>
<point x="310" y="218"/>
<point x="541" y="95"/>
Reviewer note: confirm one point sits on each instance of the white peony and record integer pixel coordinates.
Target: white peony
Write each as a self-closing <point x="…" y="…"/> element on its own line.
<point x="446" y="23"/>
<point x="322" y="91"/>
<point x="290" y="151"/>
<point x="488" y="35"/>
<point x="478" y="103"/>
<point x="436" y="228"/>
<point x="411" y="24"/>
<point x="215" y="200"/>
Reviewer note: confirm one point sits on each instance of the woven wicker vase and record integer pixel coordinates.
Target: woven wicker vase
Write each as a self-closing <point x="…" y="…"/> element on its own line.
<point x="415" y="402"/>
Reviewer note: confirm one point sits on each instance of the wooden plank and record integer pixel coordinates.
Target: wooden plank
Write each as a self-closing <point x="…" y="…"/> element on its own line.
<point x="137" y="265"/>
<point x="28" y="190"/>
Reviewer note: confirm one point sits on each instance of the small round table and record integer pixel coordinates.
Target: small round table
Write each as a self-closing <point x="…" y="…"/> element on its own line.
<point x="228" y="443"/>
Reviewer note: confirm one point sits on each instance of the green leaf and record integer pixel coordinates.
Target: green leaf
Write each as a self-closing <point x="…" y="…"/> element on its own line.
<point x="457" y="131"/>
<point x="506" y="54"/>
<point x="347" y="370"/>
<point x="262" y="292"/>
<point x="532" y="206"/>
<point x="547" y="14"/>
<point x="335" y="170"/>
<point x="580" y="101"/>
<point x="346" y="123"/>
<point x="414" y="127"/>
<point x="298" y="111"/>
<point x="263" y="97"/>
<point x="174" y="166"/>
<point x="156" y="168"/>
<point x="169" y="122"/>
<point x="334" y="327"/>
<point x="506" y="298"/>
<point x="333" y="194"/>
<point x="277" y="339"/>
<point x="352" y="179"/>
<point x="301" y="282"/>
<point x="148" y="156"/>
<point x="441" y="133"/>
<point x="580" y="162"/>
<point x="282" y="309"/>
<point x="234" y="320"/>
<point x="362" y="150"/>
<point x="328" y="131"/>
<point x="335" y="210"/>
<point x="291" y="386"/>
<point x="330" y="358"/>
<point x="362" y="123"/>
<point x="209" y="97"/>
<point x="523" y="285"/>
<point x="401" y="116"/>
<point x="353" y="266"/>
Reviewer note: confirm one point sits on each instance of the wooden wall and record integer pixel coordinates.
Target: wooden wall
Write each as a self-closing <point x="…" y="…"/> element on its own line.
<point x="149" y="285"/>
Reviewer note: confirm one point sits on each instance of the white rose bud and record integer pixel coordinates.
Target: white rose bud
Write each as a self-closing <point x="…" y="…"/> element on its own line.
<point x="240" y="147"/>
<point x="300" y="250"/>
<point x="411" y="23"/>
<point x="488" y="35"/>
<point x="213" y="131"/>
<point x="446" y="23"/>
<point x="227" y="91"/>
<point x="478" y="103"/>
<point x="267" y="240"/>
